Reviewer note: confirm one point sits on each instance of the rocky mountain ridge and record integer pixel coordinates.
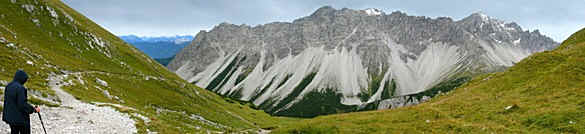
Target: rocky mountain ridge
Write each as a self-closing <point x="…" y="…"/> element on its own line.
<point x="346" y="60"/>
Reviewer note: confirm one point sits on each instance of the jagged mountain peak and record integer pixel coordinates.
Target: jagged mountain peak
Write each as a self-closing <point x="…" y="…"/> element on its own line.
<point x="495" y="30"/>
<point x="329" y="11"/>
<point x="349" y="57"/>
<point x="480" y="15"/>
<point x="323" y="11"/>
<point x="482" y="21"/>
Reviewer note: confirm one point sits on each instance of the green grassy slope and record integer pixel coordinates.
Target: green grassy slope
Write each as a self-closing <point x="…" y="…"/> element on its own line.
<point x="42" y="44"/>
<point x="543" y="93"/>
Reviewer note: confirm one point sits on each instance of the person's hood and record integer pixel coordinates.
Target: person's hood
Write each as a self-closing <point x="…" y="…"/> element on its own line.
<point x="20" y="77"/>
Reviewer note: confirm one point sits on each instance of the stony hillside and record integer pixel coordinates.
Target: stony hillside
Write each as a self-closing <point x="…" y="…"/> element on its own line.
<point x="89" y="81"/>
<point x="342" y="60"/>
<point x="541" y="94"/>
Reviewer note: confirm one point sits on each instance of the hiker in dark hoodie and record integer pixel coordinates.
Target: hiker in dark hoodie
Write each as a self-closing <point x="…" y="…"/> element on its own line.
<point x="16" y="108"/>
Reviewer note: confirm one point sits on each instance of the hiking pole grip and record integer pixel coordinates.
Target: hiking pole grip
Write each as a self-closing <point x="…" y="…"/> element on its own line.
<point x="42" y="124"/>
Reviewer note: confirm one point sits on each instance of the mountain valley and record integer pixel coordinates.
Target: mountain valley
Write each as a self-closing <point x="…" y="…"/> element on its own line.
<point x="332" y="71"/>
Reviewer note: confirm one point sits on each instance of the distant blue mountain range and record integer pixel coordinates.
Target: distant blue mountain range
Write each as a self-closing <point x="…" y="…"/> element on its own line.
<point x="158" y="47"/>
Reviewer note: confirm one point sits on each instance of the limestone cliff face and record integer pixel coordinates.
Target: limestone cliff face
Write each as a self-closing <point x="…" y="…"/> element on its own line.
<point x="335" y="59"/>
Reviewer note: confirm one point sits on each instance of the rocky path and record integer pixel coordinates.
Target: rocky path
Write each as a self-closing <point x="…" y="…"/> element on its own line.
<point x="74" y="116"/>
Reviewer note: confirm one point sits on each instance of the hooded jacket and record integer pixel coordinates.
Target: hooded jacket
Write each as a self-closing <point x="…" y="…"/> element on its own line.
<point x="16" y="108"/>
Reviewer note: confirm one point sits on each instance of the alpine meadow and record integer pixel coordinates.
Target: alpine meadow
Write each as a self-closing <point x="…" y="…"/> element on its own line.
<point x="291" y="67"/>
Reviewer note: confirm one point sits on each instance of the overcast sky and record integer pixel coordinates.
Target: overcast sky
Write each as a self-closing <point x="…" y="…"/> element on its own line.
<point x="554" y="18"/>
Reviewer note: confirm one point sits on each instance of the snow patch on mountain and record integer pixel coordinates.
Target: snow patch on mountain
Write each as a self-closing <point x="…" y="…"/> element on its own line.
<point x="516" y="42"/>
<point x="373" y="11"/>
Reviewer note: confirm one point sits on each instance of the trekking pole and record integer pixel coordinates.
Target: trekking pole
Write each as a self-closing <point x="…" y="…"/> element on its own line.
<point x="42" y="124"/>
